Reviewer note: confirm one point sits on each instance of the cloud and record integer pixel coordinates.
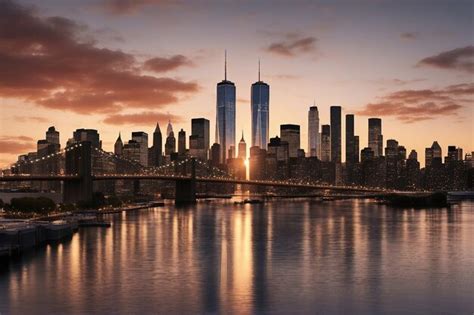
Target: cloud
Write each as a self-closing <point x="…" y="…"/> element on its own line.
<point x="143" y="118"/>
<point x="293" y="44"/>
<point x="48" y="62"/>
<point x="460" y="59"/>
<point x="130" y="6"/>
<point x="162" y="64"/>
<point x="416" y="105"/>
<point x="410" y="35"/>
<point x="31" y="119"/>
<point x="16" y="144"/>
<point x="284" y="76"/>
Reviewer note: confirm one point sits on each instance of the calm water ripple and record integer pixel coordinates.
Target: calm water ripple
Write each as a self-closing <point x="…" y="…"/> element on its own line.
<point x="284" y="257"/>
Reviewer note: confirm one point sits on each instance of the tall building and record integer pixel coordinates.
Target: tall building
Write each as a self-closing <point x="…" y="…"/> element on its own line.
<point x="434" y="152"/>
<point x="157" y="147"/>
<point x="52" y="136"/>
<point x="90" y="135"/>
<point x="142" y="138"/>
<point x="291" y="134"/>
<point x="325" y="143"/>
<point x="169" y="128"/>
<point x="170" y="144"/>
<point x="336" y="134"/>
<point x="182" y="142"/>
<point x="132" y="151"/>
<point x="118" y="146"/>
<point x="352" y="141"/>
<point x="260" y="102"/>
<point x="279" y="149"/>
<point x="242" y="148"/>
<point x="225" y="115"/>
<point x="199" y="138"/>
<point x="375" y="136"/>
<point x="314" y="139"/>
<point x="215" y="156"/>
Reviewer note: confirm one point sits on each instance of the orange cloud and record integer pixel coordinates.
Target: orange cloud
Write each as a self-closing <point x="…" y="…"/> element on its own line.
<point x="161" y="64"/>
<point x="461" y="59"/>
<point x="144" y="118"/>
<point x="16" y="144"/>
<point x="415" y="105"/>
<point x="293" y="44"/>
<point x="44" y="61"/>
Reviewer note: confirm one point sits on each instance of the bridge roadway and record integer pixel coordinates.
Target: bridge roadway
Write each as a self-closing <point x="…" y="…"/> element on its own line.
<point x="11" y="178"/>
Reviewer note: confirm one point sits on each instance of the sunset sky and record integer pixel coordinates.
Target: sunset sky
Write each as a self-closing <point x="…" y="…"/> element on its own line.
<point x="122" y="65"/>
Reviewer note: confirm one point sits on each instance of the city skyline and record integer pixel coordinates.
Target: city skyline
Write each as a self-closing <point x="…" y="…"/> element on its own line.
<point x="292" y="64"/>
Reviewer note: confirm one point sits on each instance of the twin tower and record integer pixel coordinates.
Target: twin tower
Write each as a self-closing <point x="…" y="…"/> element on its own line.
<point x="225" y="114"/>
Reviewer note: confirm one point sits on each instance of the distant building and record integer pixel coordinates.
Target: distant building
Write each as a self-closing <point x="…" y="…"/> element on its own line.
<point x="242" y="148"/>
<point x="314" y="139"/>
<point x="352" y="141"/>
<point x="291" y="134"/>
<point x="375" y="136"/>
<point x="215" y="156"/>
<point x="87" y="135"/>
<point x="157" y="147"/>
<point x="336" y="134"/>
<point x="434" y="152"/>
<point x="260" y="108"/>
<point x="199" y="139"/>
<point x="132" y="151"/>
<point x="325" y="143"/>
<point x="182" y="142"/>
<point x="279" y="148"/>
<point x="118" y="146"/>
<point x="142" y="138"/>
<point x="225" y="115"/>
<point x="52" y="136"/>
<point x="170" y="144"/>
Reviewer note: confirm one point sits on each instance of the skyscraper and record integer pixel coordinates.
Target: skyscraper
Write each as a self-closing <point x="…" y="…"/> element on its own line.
<point x="350" y="140"/>
<point x="170" y="144"/>
<point x="157" y="148"/>
<point x="118" y="146"/>
<point x="291" y="134"/>
<point x="142" y="138"/>
<point x="87" y="135"/>
<point x="336" y="134"/>
<point x="169" y="128"/>
<point x="199" y="138"/>
<point x="375" y="136"/>
<point x="242" y="148"/>
<point x="325" y="143"/>
<point x="52" y="136"/>
<point x="182" y="142"/>
<point x="260" y="103"/>
<point x="314" y="146"/>
<point x="225" y="115"/>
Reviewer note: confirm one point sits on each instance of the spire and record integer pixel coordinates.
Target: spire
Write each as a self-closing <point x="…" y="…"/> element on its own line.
<point x="258" y="69"/>
<point x="157" y="129"/>
<point x="242" y="140"/>
<point x="225" y="65"/>
<point x="119" y="137"/>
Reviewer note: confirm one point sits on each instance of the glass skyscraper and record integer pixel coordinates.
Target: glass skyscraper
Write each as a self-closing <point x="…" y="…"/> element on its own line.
<point x="225" y="116"/>
<point x="336" y="134"/>
<point x="260" y="102"/>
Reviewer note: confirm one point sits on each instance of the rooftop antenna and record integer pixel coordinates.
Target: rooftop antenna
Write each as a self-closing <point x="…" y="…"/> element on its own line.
<point x="225" y="65"/>
<point x="259" y="69"/>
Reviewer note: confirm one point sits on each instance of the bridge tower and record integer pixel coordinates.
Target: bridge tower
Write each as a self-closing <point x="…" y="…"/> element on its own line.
<point x="186" y="188"/>
<point x="79" y="161"/>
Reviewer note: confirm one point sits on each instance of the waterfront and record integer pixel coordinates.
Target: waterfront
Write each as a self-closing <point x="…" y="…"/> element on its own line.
<point x="285" y="256"/>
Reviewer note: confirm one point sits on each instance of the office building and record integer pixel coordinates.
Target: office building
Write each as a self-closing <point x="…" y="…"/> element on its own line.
<point x="336" y="134"/>
<point x="225" y="115"/>
<point x="242" y="154"/>
<point x="260" y="102"/>
<point x="118" y="146"/>
<point x="90" y="135"/>
<point x="375" y="136"/>
<point x="182" y="142"/>
<point x="199" y="139"/>
<point x="291" y="134"/>
<point x="142" y="138"/>
<point x="170" y="144"/>
<point x="325" y="143"/>
<point x="314" y="138"/>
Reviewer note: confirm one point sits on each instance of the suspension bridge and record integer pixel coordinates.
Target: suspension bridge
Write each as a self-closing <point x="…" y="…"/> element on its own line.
<point x="80" y="164"/>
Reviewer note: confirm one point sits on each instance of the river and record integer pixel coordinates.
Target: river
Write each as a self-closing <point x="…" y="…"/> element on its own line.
<point x="281" y="257"/>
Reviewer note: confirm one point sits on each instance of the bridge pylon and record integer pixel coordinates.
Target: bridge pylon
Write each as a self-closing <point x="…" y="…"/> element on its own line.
<point x="186" y="188"/>
<point x="78" y="162"/>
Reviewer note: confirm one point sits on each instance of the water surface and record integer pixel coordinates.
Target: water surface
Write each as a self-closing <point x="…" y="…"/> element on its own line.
<point x="281" y="257"/>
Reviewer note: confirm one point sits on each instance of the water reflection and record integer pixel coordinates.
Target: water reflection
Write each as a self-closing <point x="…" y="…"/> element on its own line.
<point x="281" y="257"/>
